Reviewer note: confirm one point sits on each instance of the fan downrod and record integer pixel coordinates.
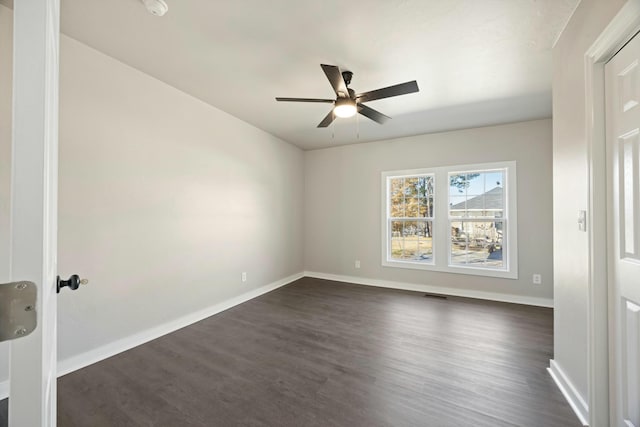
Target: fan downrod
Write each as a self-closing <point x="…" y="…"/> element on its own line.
<point x="347" y="75"/>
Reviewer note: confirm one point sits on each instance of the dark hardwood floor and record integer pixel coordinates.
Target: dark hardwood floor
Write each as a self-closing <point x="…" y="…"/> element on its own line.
<point x="321" y="353"/>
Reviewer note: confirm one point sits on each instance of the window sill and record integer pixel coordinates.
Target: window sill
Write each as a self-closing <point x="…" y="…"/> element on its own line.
<point x="470" y="271"/>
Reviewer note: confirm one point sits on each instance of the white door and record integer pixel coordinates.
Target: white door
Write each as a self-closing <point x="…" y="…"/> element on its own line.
<point x="622" y="76"/>
<point x="32" y="372"/>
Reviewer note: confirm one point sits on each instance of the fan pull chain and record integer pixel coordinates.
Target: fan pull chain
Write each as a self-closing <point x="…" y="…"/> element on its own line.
<point x="333" y="125"/>
<point x="358" y="126"/>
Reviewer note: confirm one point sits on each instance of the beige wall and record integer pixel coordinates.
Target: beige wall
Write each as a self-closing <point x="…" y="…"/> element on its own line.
<point x="164" y="200"/>
<point x="343" y="203"/>
<point x="570" y="181"/>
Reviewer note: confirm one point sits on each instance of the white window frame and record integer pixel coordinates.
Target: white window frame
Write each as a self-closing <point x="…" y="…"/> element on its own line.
<point x="387" y="219"/>
<point x="441" y="220"/>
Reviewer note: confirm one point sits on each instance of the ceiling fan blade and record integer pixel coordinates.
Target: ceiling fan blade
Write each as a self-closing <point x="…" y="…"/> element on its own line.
<point x="327" y="120"/>
<point x="305" y="100"/>
<point x="374" y="115"/>
<point x="335" y="78"/>
<point x="387" y="92"/>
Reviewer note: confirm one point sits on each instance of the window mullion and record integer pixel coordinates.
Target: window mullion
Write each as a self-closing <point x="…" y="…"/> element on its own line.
<point x="441" y="238"/>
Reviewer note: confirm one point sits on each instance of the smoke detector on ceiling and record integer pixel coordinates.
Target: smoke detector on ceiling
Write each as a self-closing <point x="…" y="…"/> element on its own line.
<point x="156" y="7"/>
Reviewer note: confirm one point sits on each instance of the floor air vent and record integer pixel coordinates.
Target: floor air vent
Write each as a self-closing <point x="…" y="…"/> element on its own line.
<point x="436" y="296"/>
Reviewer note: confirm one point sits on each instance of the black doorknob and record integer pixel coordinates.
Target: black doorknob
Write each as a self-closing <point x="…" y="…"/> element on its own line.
<point x="73" y="282"/>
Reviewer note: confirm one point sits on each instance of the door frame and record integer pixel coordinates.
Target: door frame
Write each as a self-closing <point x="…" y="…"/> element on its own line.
<point x="34" y="213"/>
<point x="618" y="32"/>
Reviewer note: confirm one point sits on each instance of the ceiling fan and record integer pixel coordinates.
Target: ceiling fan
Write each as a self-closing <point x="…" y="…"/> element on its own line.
<point x="347" y="103"/>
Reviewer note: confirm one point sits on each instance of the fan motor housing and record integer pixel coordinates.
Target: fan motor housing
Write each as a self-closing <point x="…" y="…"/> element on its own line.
<point x="347" y="75"/>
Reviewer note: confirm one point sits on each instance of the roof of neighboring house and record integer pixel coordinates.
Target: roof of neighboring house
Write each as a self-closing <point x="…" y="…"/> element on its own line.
<point x="491" y="200"/>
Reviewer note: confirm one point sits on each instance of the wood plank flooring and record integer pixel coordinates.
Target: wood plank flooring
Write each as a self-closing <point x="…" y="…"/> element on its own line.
<point x="321" y="353"/>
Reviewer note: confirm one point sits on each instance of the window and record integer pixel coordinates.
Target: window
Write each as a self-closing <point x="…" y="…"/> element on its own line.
<point x="459" y="219"/>
<point x="476" y="218"/>
<point x="411" y="218"/>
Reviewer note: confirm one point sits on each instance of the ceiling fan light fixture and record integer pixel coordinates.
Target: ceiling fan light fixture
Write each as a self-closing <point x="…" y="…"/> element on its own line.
<point x="345" y="108"/>
<point x="348" y="103"/>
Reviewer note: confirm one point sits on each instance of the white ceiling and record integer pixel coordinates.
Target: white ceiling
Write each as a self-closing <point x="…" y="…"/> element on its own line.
<point x="477" y="62"/>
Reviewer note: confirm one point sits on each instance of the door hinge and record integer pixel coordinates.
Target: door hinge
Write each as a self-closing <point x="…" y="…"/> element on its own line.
<point x="18" y="317"/>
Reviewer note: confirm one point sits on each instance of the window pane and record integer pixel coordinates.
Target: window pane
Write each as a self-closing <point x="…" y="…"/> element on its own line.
<point x="477" y="243"/>
<point x="411" y="197"/>
<point x="425" y="185"/>
<point x="396" y="197"/>
<point x="411" y="187"/>
<point x="477" y="194"/>
<point x="411" y="207"/>
<point x="425" y="194"/>
<point x="457" y="205"/>
<point x="423" y="211"/>
<point x="412" y="241"/>
<point x="397" y="242"/>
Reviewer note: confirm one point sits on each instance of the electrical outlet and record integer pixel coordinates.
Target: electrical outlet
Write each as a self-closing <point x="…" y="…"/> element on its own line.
<point x="244" y="276"/>
<point x="537" y="279"/>
<point x="357" y="263"/>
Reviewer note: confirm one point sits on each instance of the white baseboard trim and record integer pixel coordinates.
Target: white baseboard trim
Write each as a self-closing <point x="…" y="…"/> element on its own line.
<point x="85" y="359"/>
<point x="570" y="393"/>
<point x="93" y="356"/>
<point x="493" y="296"/>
